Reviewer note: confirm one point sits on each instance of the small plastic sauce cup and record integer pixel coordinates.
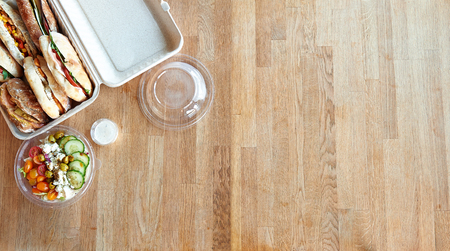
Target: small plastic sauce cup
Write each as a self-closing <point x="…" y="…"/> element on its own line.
<point x="104" y="132"/>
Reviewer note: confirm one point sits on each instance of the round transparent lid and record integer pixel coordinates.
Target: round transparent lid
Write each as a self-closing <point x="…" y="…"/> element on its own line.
<point x="177" y="93"/>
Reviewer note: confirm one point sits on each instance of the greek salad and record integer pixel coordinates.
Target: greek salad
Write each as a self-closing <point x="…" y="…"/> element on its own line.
<point x="56" y="169"/>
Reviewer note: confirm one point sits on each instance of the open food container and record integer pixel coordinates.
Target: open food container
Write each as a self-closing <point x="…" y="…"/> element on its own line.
<point x="116" y="41"/>
<point x="23" y="184"/>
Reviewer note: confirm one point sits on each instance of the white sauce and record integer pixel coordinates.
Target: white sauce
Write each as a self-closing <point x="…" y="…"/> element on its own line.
<point x="58" y="64"/>
<point x="105" y="132"/>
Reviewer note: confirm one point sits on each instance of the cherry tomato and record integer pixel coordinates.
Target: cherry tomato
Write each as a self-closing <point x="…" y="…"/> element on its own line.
<point x="35" y="190"/>
<point x="37" y="160"/>
<point x="33" y="173"/>
<point x="40" y="178"/>
<point x="42" y="186"/>
<point x="32" y="182"/>
<point x="34" y="151"/>
<point x="52" y="194"/>
<point x="28" y="165"/>
<point x="41" y="169"/>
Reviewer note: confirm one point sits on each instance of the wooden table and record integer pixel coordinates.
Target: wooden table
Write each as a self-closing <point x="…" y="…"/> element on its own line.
<point x="330" y="130"/>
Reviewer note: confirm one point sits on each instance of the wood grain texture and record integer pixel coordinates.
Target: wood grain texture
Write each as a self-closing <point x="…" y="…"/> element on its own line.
<point x="375" y="164"/>
<point x="329" y="131"/>
<point x="263" y="33"/>
<point x="442" y="223"/>
<point x="355" y="230"/>
<point x="222" y="199"/>
<point x="386" y="64"/>
<point x="249" y="202"/>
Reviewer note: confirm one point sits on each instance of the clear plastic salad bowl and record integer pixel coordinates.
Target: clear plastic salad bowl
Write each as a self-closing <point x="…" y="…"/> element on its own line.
<point x="26" y="188"/>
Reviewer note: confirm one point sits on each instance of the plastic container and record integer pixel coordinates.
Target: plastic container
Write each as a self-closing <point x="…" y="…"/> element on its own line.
<point x="116" y="41"/>
<point x="104" y="132"/>
<point x="25" y="187"/>
<point x="177" y="93"/>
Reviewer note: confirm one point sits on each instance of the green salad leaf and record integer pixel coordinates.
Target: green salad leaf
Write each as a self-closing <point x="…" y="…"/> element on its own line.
<point x="38" y="17"/>
<point x="75" y="80"/>
<point x="6" y="74"/>
<point x="54" y="47"/>
<point x="73" y="77"/>
<point x="22" y="171"/>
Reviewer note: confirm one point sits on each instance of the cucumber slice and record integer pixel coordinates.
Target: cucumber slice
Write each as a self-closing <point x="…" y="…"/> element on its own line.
<point x="81" y="156"/>
<point x="77" y="166"/>
<point x="75" y="179"/>
<point x="73" y="146"/>
<point x="64" y="140"/>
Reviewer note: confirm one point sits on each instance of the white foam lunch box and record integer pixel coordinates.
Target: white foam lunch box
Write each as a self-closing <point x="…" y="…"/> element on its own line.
<point x="116" y="40"/>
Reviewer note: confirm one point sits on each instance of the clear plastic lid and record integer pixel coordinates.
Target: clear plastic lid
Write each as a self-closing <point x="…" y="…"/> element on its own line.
<point x="177" y="93"/>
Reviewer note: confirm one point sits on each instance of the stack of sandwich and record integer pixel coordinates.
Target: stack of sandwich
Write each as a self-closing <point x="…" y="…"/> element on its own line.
<point x="40" y="72"/>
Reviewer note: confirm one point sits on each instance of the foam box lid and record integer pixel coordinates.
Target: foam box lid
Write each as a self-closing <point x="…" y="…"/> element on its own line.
<point x="118" y="40"/>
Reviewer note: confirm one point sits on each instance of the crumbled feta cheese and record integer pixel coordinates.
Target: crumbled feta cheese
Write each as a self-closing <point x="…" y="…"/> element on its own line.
<point x="49" y="148"/>
<point x="54" y="161"/>
<point x="60" y="156"/>
<point x="61" y="176"/>
<point x="55" y="147"/>
<point x="50" y="165"/>
<point x="59" y="188"/>
<point x="66" y="181"/>
<point x="45" y="148"/>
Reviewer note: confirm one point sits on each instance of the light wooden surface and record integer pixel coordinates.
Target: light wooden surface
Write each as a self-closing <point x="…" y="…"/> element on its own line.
<point x="330" y="130"/>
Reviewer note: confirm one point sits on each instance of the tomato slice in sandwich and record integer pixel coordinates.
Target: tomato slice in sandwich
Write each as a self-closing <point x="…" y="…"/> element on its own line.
<point x="72" y="82"/>
<point x="68" y="76"/>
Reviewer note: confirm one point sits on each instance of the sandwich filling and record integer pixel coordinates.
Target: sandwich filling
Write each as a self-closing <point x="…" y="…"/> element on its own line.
<point x="61" y="67"/>
<point x="25" y="122"/>
<point x="19" y="39"/>
<point x="48" y="91"/>
<point x="40" y="18"/>
<point x="5" y="73"/>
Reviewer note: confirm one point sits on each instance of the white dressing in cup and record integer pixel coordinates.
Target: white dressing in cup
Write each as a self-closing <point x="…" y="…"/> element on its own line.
<point x="104" y="132"/>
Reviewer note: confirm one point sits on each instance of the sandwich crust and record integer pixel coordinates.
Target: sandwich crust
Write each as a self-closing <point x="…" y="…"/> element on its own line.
<point x="72" y="63"/>
<point x="43" y="94"/>
<point x="24" y="98"/>
<point x="8" y="40"/>
<point x="24" y="122"/>
<point x="29" y="19"/>
<point x="26" y="11"/>
<point x="53" y="25"/>
<point x="57" y="90"/>
<point x="9" y="64"/>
